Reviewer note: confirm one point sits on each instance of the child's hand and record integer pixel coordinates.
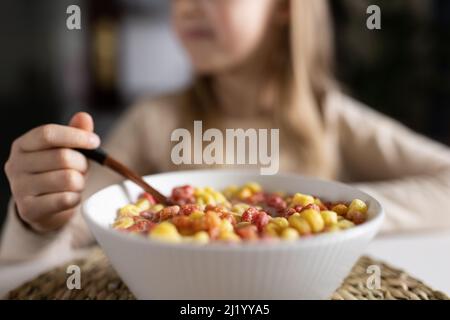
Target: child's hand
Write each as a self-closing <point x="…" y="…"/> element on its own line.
<point x="46" y="176"/>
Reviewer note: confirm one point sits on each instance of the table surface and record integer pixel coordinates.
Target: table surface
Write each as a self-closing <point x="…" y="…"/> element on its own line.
<point x="425" y="257"/>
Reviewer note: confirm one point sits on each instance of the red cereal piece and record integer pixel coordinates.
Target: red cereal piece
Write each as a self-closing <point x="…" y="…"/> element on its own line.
<point x="142" y="225"/>
<point x="187" y="209"/>
<point x="248" y="214"/>
<point x="287" y="212"/>
<point x="148" y="196"/>
<point x="183" y="195"/>
<point x="183" y="191"/>
<point x="275" y="201"/>
<point x="356" y="217"/>
<point x="329" y="205"/>
<point x="260" y="220"/>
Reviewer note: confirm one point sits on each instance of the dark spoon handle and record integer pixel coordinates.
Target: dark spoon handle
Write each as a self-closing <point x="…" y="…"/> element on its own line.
<point x="98" y="155"/>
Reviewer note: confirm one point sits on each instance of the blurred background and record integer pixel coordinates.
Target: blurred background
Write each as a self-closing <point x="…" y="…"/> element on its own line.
<point x="126" y="49"/>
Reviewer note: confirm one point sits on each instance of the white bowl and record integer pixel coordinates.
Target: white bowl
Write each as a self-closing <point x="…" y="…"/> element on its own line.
<point x="310" y="268"/>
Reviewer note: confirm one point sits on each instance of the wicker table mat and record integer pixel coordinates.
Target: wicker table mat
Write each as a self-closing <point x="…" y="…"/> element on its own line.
<point x="100" y="281"/>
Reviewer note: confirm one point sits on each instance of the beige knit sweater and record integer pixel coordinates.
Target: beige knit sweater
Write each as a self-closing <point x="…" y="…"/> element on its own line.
<point x="407" y="173"/>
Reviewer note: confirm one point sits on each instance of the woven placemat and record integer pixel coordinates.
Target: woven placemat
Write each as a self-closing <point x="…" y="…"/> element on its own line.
<point x="99" y="281"/>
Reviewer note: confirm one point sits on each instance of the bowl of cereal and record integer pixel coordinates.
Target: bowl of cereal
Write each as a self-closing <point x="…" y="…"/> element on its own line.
<point x="233" y="234"/>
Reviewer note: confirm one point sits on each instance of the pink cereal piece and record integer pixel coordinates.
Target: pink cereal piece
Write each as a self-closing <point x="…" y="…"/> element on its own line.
<point x="148" y="196"/>
<point x="275" y="201"/>
<point x="249" y="214"/>
<point x="261" y="219"/>
<point x="183" y="195"/>
<point x="187" y="209"/>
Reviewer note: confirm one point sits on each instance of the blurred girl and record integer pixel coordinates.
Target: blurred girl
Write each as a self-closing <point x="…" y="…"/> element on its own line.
<point x="258" y="64"/>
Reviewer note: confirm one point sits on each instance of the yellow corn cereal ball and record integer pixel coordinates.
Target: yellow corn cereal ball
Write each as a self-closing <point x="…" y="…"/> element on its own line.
<point x="123" y="222"/>
<point x="358" y="205"/>
<point x="197" y="214"/>
<point x="254" y="187"/>
<point x="129" y="210"/>
<point x="332" y="228"/>
<point x="229" y="237"/>
<point x="226" y="226"/>
<point x="340" y="209"/>
<point x="157" y="207"/>
<point x="199" y="192"/>
<point x="244" y="193"/>
<point x="200" y="201"/>
<point x="166" y="231"/>
<point x="302" y="200"/>
<point x="280" y="222"/>
<point x="226" y="204"/>
<point x="329" y="217"/>
<point x="345" y="224"/>
<point x="213" y="219"/>
<point x="143" y="204"/>
<point x="208" y="195"/>
<point x="209" y="199"/>
<point x="274" y="226"/>
<point x="300" y="224"/>
<point x="289" y="234"/>
<point x="318" y="202"/>
<point x="314" y="219"/>
<point x="230" y="191"/>
<point x="219" y="197"/>
<point x="271" y="229"/>
<point x="201" y="237"/>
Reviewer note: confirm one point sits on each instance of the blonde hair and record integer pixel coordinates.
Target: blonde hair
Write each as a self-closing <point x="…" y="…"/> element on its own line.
<point x="302" y="69"/>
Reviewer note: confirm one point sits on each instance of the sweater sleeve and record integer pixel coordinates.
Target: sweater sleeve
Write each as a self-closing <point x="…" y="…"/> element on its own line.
<point x="17" y="242"/>
<point x="408" y="173"/>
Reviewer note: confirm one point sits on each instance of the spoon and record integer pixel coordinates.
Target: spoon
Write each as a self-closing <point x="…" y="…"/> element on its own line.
<point x="100" y="156"/>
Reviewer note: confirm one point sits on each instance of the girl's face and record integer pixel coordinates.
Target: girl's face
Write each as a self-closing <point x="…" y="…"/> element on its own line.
<point x="221" y="34"/>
